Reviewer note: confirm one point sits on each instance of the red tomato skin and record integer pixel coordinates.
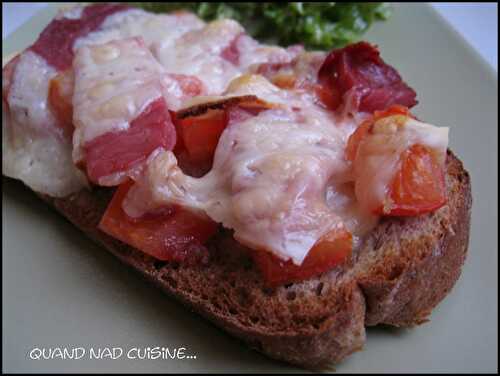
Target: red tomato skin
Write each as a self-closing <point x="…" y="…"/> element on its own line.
<point x="167" y="234"/>
<point x="419" y="186"/>
<point x="355" y="139"/>
<point x="330" y="251"/>
<point x="200" y="135"/>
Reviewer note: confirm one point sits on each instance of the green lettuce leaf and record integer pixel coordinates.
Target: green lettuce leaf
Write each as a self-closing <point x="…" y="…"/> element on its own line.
<point x="315" y="25"/>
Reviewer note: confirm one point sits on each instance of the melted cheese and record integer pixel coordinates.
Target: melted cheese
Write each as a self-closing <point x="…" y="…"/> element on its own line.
<point x="436" y="138"/>
<point x="302" y="69"/>
<point x="33" y="147"/>
<point x="379" y="159"/>
<point x="42" y="163"/>
<point x="252" y="84"/>
<point x="280" y="179"/>
<point x="71" y="12"/>
<point x="184" y="44"/>
<point x="114" y="83"/>
<point x="253" y="53"/>
<point x="246" y="84"/>
<point x="155" y="29"/>
<point x="268" y="182"/>
<point x="28" y="94"/>
<point x="198" y="53"/>
<point x="341" y="199"/>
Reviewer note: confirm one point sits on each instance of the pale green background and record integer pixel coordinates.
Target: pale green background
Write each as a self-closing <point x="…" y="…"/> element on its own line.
<point x="59" y="289"/>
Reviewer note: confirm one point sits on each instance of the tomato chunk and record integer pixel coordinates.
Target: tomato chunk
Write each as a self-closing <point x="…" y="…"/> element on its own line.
<point x="200" y="134"/>
<point x="362" y="131"/>
<point x="331" y="250"/>
<point x="168" y="234"/>
<point x="417" y="185"/>
<point x="119" y="152"/>
<point x="60" y="100"/>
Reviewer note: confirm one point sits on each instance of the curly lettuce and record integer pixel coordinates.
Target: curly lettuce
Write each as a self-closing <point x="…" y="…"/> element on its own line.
<point x="315" y="25"/>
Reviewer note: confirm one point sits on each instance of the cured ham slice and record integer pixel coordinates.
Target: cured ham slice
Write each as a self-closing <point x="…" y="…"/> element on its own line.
<point x="357" y="74"/>
<point x="120" y="109"/>
<point x="55" y="43"/>
<point x="113" y="156"/>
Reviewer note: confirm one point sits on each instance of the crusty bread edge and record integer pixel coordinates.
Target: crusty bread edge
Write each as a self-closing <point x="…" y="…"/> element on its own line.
<point x="407" y="299"/>
<point x="344" y="334"/>
<point x="404" y="300"/>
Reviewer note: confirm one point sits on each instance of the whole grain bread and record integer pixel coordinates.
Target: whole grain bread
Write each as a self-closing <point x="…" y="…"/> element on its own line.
<point x="404" y="268"/>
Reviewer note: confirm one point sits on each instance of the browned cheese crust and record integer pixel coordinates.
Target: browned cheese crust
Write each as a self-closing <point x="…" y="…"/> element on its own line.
<point x="405" y="267"/>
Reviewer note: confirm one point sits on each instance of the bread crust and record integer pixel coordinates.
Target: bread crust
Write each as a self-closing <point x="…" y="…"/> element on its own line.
<point x="404" y="269"/>
<point x="404" y="290"/>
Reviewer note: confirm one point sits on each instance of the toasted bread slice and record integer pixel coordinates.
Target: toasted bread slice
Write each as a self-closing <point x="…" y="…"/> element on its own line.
<point x="404" y="268"/>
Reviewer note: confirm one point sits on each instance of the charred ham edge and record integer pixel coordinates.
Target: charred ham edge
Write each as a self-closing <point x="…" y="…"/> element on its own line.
<point x="245" y="101"/>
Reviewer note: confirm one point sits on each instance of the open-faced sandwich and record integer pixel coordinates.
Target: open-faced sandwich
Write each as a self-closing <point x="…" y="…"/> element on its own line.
<point x="291" y="197"/>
